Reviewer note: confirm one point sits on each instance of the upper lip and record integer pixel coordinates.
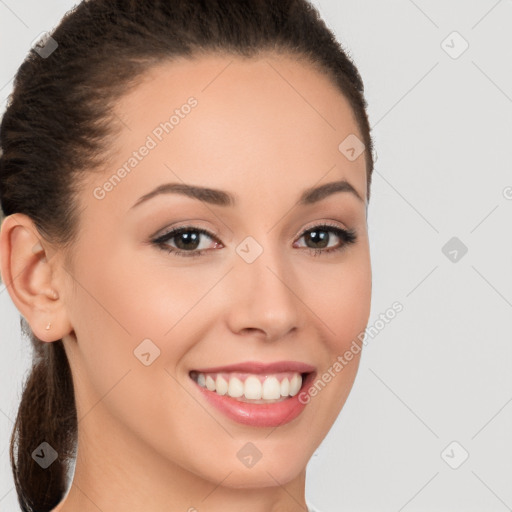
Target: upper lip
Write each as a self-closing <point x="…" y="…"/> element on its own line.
<point x="260" y="368"/>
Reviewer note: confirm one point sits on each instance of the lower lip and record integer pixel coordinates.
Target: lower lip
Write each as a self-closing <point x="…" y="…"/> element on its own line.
<point x="259" y="415"/>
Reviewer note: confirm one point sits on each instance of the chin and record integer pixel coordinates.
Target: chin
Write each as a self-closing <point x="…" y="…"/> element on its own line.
<point x="261" y="476"/>
<point x="279" y="464"/>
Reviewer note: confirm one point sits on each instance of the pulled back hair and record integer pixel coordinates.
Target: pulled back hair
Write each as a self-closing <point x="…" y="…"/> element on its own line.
<point x="59" y="125"/>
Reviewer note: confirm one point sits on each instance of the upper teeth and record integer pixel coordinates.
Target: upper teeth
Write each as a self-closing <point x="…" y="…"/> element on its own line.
<point x="252" y="386"/>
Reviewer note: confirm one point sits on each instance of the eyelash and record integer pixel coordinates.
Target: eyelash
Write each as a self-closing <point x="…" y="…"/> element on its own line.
<point x="348" y="237"/>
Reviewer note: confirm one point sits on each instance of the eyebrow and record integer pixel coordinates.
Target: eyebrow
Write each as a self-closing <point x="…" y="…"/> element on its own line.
<point x="222" y="198"/>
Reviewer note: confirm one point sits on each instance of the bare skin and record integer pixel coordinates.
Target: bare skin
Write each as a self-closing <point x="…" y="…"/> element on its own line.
<point x="147" y="438"/>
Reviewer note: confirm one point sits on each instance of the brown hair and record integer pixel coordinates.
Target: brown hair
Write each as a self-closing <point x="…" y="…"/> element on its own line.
<point x="59" y="124"/>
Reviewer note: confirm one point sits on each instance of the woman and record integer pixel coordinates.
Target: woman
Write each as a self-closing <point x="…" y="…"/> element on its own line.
<point x="138" y="136"/>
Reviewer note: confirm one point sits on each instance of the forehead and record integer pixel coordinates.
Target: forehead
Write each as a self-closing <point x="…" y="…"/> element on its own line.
<point x="235" y="123"/>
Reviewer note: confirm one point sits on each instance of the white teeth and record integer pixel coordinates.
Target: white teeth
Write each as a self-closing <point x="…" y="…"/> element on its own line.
<point x="271" y="389"/>
<point x="295" y="384"/>
<point x="210" y="383"/>
<point x="236" y="388"/>
<point x="253" y="387"/>
<point x="285" y="387"/>
<point x="221" y="385"/>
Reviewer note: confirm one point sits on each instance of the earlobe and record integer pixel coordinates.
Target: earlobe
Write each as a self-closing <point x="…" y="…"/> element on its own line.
<point x="27" y="273"/>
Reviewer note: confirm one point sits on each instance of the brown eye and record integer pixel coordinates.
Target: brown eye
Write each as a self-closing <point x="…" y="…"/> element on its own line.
<point x="186" y="241"/>
<point x="317" y="238"/>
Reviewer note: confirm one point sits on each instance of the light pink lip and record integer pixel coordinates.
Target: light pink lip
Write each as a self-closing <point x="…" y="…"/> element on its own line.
<point x="260" y="368"/>
<point x="259" y="415"/>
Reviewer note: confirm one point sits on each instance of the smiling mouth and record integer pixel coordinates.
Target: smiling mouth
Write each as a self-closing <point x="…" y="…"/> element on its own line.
<point x="252" y="387"/>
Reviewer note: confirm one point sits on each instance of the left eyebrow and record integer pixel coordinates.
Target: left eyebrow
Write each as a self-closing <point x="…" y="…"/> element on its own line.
<point x="315" y="194"/>
<point x="223" y="198"/>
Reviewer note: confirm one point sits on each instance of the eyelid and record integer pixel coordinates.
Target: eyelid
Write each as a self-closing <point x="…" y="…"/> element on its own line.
<point x="192" y="225"/>
<point x="326" y="222"/>
<point x="186" y="227"/>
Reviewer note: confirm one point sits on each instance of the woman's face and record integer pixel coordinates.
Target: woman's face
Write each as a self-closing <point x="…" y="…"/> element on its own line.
<point x="249" y="306"/>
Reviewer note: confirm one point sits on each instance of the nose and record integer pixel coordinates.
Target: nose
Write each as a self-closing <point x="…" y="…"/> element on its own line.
<point x="264" y="299"/>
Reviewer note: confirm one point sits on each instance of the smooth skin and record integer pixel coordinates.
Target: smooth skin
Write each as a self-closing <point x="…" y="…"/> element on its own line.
<point x="264" y="130"/>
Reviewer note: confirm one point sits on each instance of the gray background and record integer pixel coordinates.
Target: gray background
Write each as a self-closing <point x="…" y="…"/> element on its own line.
<point x="441" y="370"/>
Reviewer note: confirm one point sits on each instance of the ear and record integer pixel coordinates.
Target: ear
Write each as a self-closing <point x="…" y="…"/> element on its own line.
<point x="29" y="272"/>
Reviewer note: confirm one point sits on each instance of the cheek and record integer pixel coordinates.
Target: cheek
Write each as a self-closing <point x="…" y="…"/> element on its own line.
<point x="129" y="295"/>
<point x="342" y="301"/>
<point x="124" y="309"/>
<point x="340" y="297"/>
<point x="350" y="311"/>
